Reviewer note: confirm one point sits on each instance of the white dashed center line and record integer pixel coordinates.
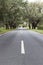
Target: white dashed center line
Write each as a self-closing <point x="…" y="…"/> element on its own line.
<point x="22" y="47"/>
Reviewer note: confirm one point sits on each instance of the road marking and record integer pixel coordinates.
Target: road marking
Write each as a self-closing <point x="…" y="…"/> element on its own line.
<point x="22" y="47"/>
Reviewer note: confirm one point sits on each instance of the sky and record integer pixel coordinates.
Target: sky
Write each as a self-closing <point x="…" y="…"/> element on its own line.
<point x="34" y="0"/>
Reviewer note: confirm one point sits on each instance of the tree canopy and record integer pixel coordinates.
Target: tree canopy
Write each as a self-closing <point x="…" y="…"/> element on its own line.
<point x="13" y="12"/>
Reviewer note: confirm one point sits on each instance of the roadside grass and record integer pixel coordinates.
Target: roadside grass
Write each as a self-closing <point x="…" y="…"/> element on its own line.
<point x="36" y="30"/>
<point x="3" y="30"/>
<point x="39" y="31"/>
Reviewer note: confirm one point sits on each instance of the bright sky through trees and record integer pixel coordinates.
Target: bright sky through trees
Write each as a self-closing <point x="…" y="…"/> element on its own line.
<point x="34" y="0"/>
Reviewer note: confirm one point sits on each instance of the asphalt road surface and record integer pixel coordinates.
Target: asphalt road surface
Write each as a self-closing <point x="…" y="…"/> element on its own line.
<point x="21" y="47"/>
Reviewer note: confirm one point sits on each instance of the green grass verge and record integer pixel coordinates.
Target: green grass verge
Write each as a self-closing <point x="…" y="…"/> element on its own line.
<point x="39" y="31"/>
<point x="36" y="30"/>
<point x="3" y="30"/>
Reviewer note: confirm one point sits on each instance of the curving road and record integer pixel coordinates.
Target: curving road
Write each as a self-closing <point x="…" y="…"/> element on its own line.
<point x="21" y="47"/>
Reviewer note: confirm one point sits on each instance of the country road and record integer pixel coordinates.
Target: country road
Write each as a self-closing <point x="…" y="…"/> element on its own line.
<point x="21" y="47"/>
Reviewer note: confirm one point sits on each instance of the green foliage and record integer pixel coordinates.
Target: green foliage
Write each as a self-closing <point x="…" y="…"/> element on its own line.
<point x="34" y="13"/>
<point x="13" y="12"/>
<point x="40" y="27"/>
<point x="10" y="12"/>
